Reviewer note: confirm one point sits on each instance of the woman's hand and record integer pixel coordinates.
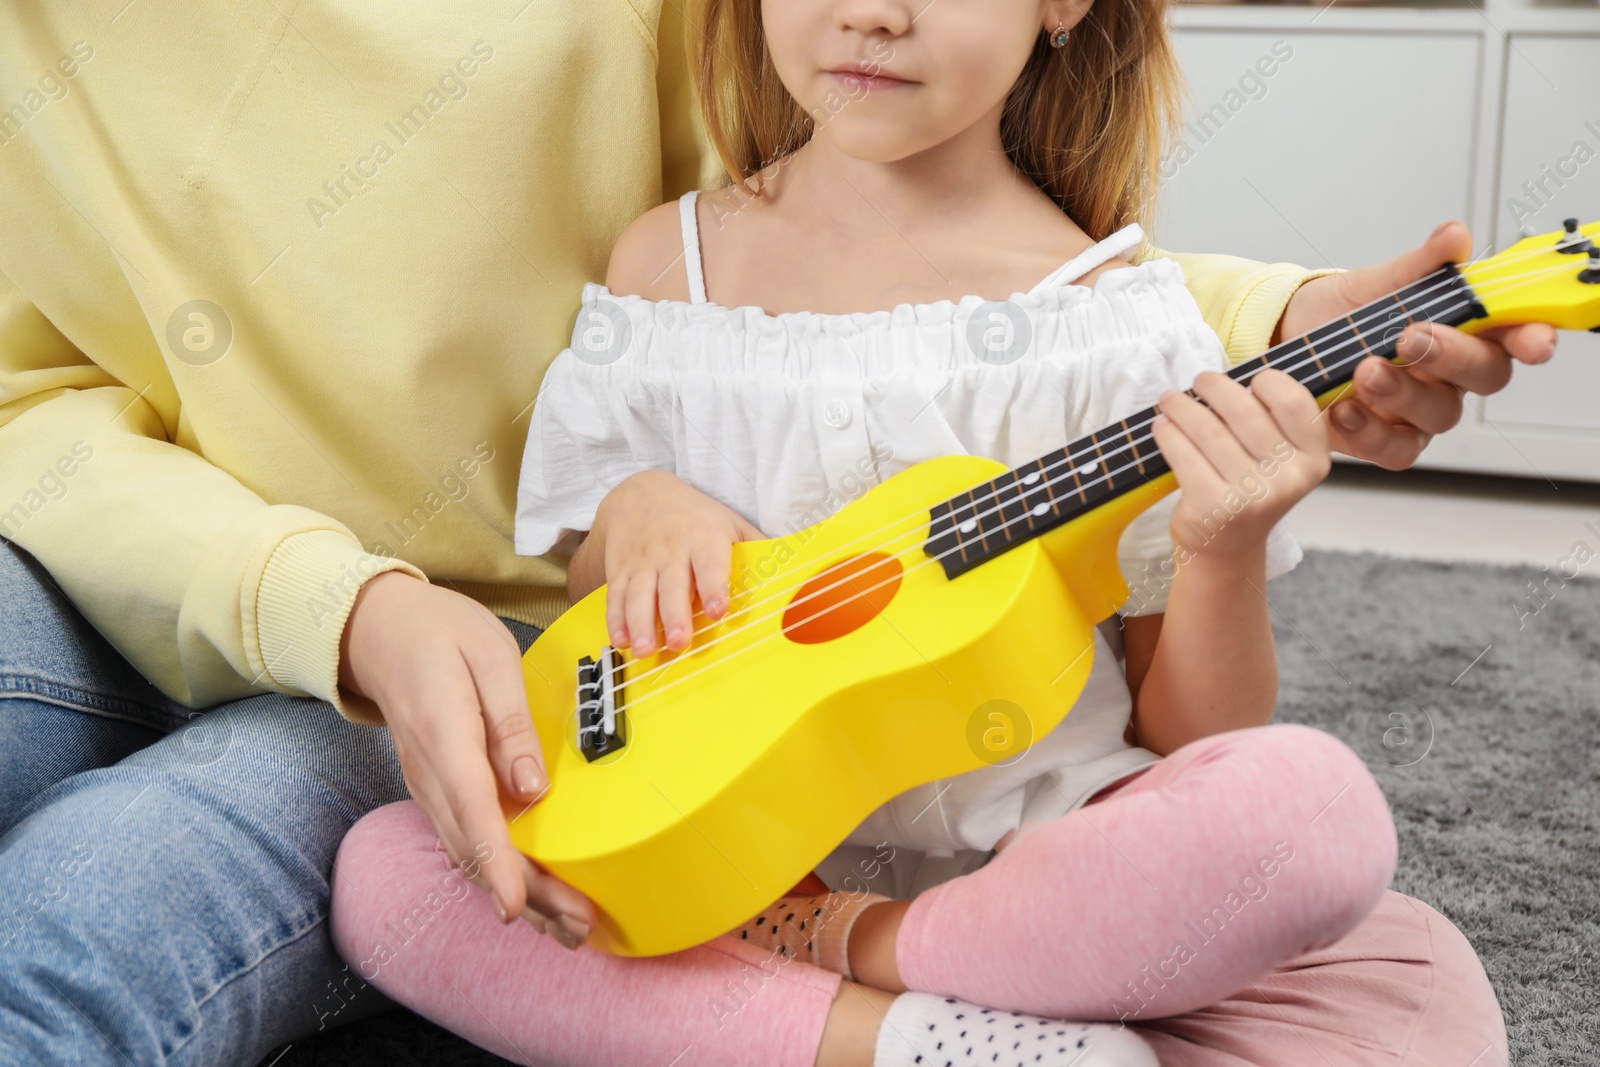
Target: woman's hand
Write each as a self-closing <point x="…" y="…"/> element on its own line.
<point x="447" y="676"/>
<point x="662" y="542"/>
<point x="1243" y="458"/>
<point x="1393" y="412"/>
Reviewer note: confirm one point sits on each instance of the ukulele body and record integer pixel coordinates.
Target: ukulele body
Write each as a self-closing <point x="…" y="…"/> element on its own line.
<point x="847" y="670"/>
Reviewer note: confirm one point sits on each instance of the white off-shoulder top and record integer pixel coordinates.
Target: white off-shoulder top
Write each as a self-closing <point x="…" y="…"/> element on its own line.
<point x="786" y="418"/>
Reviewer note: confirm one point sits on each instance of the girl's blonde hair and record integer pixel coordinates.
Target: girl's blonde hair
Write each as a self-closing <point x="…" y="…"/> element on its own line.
<point x="1087" y="122"/>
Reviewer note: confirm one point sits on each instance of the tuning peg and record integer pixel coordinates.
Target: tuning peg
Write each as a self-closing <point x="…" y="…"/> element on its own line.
<point x="1590" y="274"/>
<point x="1572" y="242"/>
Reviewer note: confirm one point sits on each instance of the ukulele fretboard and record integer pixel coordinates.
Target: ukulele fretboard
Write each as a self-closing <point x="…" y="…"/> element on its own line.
<point x="1037" y="497"/>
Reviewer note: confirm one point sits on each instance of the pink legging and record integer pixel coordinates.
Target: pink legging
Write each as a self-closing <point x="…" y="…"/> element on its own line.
<point x="1229" y="901"/>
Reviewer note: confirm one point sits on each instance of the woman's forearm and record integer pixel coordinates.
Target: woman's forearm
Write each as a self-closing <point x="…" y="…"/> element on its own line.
<point x="1214" y="667"/>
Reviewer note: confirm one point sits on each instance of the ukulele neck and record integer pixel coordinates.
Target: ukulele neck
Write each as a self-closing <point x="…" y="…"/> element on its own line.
<point x="1037" y="497"/>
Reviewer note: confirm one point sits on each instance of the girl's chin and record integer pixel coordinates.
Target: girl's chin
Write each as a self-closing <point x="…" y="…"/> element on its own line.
<point x="873" y="143"/>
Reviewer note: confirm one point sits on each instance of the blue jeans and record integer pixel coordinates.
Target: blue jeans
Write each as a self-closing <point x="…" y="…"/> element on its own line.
<point x="164" y="873"/>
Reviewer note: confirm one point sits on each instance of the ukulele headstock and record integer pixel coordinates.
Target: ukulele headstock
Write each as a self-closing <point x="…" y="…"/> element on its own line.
<point x="1550" y="277"/>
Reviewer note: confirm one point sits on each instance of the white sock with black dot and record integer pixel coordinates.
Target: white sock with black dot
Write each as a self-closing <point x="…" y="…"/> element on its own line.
<point x="927" y="1030"/>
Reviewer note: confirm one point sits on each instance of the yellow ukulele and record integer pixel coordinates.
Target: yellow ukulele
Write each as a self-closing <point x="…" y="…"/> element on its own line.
<point x="857" y="657"/>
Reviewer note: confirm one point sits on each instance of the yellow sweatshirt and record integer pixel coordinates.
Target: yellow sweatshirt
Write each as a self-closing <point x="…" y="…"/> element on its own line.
<point x="278" y="285"/>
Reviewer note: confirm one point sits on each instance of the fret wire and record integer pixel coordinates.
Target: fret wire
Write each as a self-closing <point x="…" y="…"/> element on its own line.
<point x="1363" y="337"/>
<point x="1316" y="358"/>
<point x="997" y="505"/>
<point x="1404" y="310"/>
<point x="1049" y="486"/>
<point x="1127" y="432"/>
<point x="1394" y="304"/>
<point x="1022" y="502"/>
<point x="1394" y="327"/>
<point x="1114" y="474"/>
<point x="1111" y="435"/>
<point x="1003" y="508"/>
<point x="1428" y="286"/>
<point x="1050" y="496"/>
<point x="1077" y="479"/>
<point x="960" y="535"/>
<point x="1024" y="527"/>
<point x="972" y="499"/>
<point x="1309" y="376"/>
<point x="1099" y="454"/>
<point x="1144" y="459"/>
<point x="1360" y="335"/>
<point x="1155" y="449"/>
<point x="1242" y="372"/>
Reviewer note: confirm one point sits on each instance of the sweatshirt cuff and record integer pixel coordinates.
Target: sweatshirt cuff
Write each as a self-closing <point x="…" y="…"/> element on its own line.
<point x="1263" y="305"/>
<point x="307" y="589"/>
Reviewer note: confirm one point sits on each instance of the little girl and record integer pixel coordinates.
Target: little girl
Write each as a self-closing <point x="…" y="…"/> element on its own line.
<point x="927" y="252"/>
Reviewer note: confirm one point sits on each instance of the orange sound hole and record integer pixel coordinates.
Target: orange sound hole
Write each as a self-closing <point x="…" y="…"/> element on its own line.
<point x="843" y="598"/>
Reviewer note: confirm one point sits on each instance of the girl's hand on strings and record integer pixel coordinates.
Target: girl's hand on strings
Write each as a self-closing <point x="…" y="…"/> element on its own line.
<point x="663" y="544"/>
<point x="1243" y="457"/>
<point x="1394" y="411"/>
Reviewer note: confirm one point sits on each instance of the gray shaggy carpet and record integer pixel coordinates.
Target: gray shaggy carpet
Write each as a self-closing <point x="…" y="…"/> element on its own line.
<point x="1475" y="698"/>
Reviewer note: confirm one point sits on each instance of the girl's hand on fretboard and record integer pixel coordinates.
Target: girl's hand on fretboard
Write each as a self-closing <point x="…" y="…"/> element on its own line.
<point x="1243" y="457"/>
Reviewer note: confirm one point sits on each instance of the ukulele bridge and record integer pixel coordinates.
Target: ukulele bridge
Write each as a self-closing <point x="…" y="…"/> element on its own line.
<point x="602" y="725"/>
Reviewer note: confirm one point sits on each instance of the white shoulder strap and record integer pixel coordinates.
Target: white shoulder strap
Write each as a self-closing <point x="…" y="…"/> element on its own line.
<point x="691" y="247"/>
<point x="1124" y="240"/>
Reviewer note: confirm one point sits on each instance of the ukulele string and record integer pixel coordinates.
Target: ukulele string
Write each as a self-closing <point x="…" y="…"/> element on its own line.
<point x="1075" y="460"/>
<point x="1071" y="458"/>
<point x="918" y="517"/>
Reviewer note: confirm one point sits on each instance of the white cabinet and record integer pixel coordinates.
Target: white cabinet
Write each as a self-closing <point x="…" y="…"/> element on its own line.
<point x="1352" y="150"/>
<point x="1365" y="128"/>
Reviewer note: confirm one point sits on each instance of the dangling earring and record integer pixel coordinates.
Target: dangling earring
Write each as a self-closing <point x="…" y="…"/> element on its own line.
<point x="1059" y="38"/>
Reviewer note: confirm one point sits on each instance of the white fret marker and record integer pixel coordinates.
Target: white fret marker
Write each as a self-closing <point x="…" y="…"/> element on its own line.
<point x="1040" y="509"/>
<point x="1029" y="479"/>
<point x="1087" y="468"/>
<point x="968" y="526"/>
